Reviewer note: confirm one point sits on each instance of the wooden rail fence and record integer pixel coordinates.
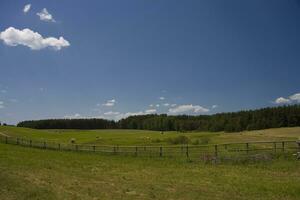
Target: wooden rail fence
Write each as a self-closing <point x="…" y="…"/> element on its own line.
<point x="191" y="152"/>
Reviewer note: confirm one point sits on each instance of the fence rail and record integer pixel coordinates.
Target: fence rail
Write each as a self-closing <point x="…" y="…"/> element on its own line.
<point x="191" y="152"/>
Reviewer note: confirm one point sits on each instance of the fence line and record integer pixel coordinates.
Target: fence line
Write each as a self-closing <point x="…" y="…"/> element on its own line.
<point x="191" y="152"/>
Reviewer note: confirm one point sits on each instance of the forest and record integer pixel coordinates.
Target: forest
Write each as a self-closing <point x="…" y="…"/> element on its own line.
<point x="271" y="117"/>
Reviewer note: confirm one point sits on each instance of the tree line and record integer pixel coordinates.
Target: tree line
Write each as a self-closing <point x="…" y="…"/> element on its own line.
<point x="271" y="117"/>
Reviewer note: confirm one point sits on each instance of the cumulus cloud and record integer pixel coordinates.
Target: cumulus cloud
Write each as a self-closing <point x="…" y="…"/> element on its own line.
<point x="109" y="103"/>
<point x="214" y="106"/>
<point x="74" y="116"/>
<point x="166" y="104"/>
<point x="26" y="37"/>
<point x="188" y="108"/>
<point x="150" y="111"/>
<point x="26" y="8"/>
<point x="111" y="113"/>
<point x="173" y="105"/>
<point x="157" y="105"/>
<point x="282" y="100"/>
<point x="162" y="98"/>
<point x="151" y="105"/>
<point x="295" y="97"/>
<point x="45" y="15"/>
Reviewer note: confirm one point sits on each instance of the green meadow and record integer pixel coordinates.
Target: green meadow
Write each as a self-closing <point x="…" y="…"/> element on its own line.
<point x="29" y="173"/>
<point x="144" y="137"/>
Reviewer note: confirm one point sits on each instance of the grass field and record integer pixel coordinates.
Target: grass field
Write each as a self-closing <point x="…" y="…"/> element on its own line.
<point x="28" y="173"/>
<point x="143" y="137"/>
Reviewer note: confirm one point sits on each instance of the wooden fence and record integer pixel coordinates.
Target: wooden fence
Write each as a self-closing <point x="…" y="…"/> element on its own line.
<point x="191" y="152"/>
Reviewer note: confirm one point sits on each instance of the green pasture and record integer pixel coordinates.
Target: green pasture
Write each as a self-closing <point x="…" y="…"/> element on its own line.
<point x="144" y="137"/>
<point x="28" y="173"/>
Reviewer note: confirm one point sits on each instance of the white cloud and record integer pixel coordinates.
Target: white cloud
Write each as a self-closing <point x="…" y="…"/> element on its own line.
<point x="295" y="97"/>
<point x="45" y="16"/>
<point x="188" y="108"/>
<point x="77" y="115"/>
<point x="157" y="105"/>
<point x="150" y="111"/>
<point x="128" y="114"/>
<point x="214" y="106"/>
<point x="151" y="105"/>
<point x="162" y="98"/>
<point x="166" y="104"/>
<point x="26" y="8"/>
<point x="2" y="104"/>
<point x="173" y="105"/>
<point x="109" y="103"/>
<point x="282" y="100"/>
<point x="111" y="113"/>
<point x="26" y="37"/>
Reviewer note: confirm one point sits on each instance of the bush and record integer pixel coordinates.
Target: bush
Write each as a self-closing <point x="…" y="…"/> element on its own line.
<point x="205" y="140"/>
<point x="156" y="140"/>
<point x="179" y="140"/>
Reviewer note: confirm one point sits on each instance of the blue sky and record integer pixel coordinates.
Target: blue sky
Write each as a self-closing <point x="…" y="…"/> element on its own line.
<point x="117" y="58"/>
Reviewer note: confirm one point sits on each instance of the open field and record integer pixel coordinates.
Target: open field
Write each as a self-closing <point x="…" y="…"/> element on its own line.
<point x="27" y="173"/>
<point x="144" y="137"/>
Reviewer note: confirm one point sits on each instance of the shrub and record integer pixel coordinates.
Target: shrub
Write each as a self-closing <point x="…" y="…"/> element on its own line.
<point x="179" y="140"/>
<point x="205" y="140"/>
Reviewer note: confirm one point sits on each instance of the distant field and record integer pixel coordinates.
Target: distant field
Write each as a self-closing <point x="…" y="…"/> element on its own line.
<point x="143" y="137"/>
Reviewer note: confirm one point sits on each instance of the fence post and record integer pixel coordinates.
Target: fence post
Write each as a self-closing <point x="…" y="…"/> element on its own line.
<point x="76" y="147"/>
<point x="30" y="142"/>
<point x="94" y="148"/>
<point x="136" y="151"/>
<point x="275" y="147"/>
<point x="114" y="149"/>
<point x="247" y="147"/>
<point x="160" y="151"/>
<point x="187" y="151"/>
<point x="45" y="146"/>
<point x="216" y="151"/>
<point x="17" y="140"/>
<point x="58" y="146"/>
<point x="6" y="140"/>
<point x="283" y="146"/>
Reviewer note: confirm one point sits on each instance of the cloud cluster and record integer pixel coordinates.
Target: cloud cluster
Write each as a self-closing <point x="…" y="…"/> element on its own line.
<point x="291" y="99"/>
<point x="109" y="103"/>
<point x="111" y="113"/>
<point x="150" y="111"/>
<point x="26" y="37"/>
<point x="188" y="108"/>
<point x="26" y="8"/>
<point x="45" y="15"/>
<point x="74" y="116"/>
